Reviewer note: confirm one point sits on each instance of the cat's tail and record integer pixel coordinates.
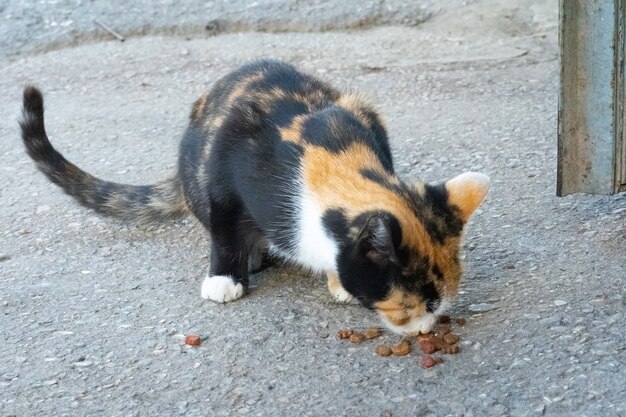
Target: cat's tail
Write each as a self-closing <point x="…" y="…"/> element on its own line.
<point x="159" y="201"/>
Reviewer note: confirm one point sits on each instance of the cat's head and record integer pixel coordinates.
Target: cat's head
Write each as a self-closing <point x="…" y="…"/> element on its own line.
<point x="405" y="266"/>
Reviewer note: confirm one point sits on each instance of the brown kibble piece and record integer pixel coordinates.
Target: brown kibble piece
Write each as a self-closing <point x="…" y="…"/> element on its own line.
<point x="357" y="337"/>
<point x="373" y="332"/>
<point x="444" y="319"/>
<point x="461" y="321"/>
<point x="444" y="329"/>
<point x="450" y="339"/>
<point x="383" y="350"/>
<point x="450" y="350"/>
<point x="438" y="341"/>
<point x="344" y="333"/>
<point x="428" y="361"/>
<point x="402" y="348"/>
<point x="428" y="346"/>
<point x="193" y="340"/>
<point x="424" y="336"/>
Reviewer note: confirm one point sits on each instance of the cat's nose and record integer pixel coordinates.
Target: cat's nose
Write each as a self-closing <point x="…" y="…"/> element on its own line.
<point x="432" y="306"/>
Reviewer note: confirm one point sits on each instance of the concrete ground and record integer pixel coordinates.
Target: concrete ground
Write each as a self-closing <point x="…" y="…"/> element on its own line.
<point x="93" y="311"/>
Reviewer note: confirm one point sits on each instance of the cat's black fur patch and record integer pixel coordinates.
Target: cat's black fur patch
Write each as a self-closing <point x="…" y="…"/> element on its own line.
<point x="447" y="221"/>
<point x="437" y="272"/>
<point x="366" y="279"/>
<point x="336" y="223"/>
<point x="372" y="175"/>
<point x="283" y="111"/>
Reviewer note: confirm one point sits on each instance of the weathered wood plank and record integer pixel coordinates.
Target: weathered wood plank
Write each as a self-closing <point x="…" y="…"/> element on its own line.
<point x="591" y="112"/>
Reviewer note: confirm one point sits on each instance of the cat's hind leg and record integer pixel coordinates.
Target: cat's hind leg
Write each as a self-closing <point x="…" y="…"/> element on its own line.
<point x="261" y="259"/>
<point x="336" y="289"/>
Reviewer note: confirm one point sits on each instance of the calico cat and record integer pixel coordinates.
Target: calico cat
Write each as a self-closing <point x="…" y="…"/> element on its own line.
<point x="275" y="158"/>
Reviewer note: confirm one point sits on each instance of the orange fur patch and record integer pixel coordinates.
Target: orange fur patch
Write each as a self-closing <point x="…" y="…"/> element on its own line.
<point x="293" y="133"/>
<point x="212" y="124"/>
<point x="336" y="182"/>
<point x="357" y="105"/>
<point x="242" y="88"/>
<point x="315" y="99"/>
<point x="198" y="106"/>
<point x="265" y="98"/>
<point x="400" y="307"/>
<point x="333" y="282"/>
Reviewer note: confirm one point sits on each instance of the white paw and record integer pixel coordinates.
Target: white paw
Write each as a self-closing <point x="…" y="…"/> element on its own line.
<point x="341" y="296"/>
<point x="221" y="288"/>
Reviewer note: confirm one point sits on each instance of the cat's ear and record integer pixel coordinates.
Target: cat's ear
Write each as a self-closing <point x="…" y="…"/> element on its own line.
<point x="467" y="191"/>
<point x="375" y="241"/>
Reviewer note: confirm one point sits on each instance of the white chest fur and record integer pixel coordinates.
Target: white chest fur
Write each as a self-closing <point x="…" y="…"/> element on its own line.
<point x="315" y="248"/>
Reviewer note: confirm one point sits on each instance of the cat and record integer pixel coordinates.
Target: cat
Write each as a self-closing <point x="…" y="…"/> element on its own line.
<point x="278" y="159"/>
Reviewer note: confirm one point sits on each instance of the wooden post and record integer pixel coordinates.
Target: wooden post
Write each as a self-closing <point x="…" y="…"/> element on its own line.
<point x="591" y="145"/>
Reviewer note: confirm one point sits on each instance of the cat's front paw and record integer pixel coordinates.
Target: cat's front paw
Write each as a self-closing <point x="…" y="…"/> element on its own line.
<point x="221" y="289"/>
<point x="341" y="296"/>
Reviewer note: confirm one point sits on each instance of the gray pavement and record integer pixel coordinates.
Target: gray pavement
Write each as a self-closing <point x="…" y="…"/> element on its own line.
<point x="35" y="26"/>
<point x="93" y="311"/>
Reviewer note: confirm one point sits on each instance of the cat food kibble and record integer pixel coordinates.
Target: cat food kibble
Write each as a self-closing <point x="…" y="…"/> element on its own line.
<point x="428" y="346"/>
<point x="450" y="349"/>
<point x="444" y="319"/>
<point x="383" y="350"/>
<point x="193" y="340"/>
<point x="441" y="339"/>
<point x="402" y="348"/>
<point x="357" y="337"/>
<point x="461" y="321"/>
<point x="428" y="361"/>
<point x="444" y="329"/>
<point x="450" y="339"/>
<point x="344" y="333"/>
<point x="373" y="332"/>
<point x="438" y="341"/>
